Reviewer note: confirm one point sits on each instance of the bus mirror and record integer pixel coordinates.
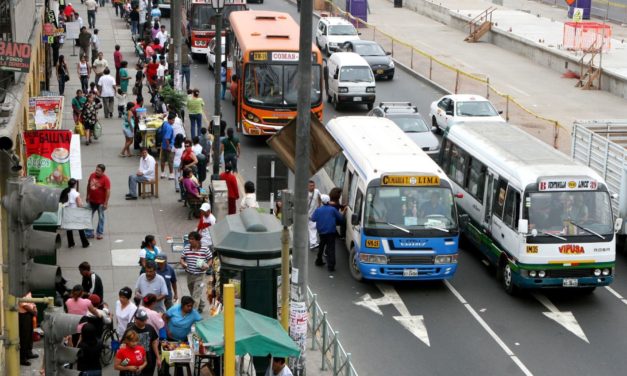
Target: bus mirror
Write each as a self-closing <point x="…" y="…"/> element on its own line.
<point x="618" y="224"/>
<point x="523" y="226"/>
<point x="459" y="195"/>
<point x="464" y="219"/>
<point x="534" y="232"/>
<point x="354" y="219"/>
<point x="614" y="196"/>
<point x="335" y="76"/>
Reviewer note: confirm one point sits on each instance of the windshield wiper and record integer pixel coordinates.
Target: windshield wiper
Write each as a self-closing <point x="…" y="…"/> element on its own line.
<point x="553" y="235"/>
<point x="586" y="229"/>
<point x="391" y="224"/>
<point x="437" y="228"/>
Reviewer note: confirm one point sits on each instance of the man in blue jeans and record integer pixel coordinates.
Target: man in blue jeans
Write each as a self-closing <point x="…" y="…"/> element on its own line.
<point x="98" y="192"/>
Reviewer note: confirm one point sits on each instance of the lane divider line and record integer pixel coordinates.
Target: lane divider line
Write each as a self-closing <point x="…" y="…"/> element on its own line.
<point x="489" y="330"/>
<point x="616" y="294"/>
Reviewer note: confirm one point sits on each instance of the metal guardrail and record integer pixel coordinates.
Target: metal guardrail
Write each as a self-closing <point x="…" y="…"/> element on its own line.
<point x="327" y="340"/>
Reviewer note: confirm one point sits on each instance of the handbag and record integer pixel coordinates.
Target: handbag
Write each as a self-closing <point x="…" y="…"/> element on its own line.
<point x="97" y="130"/>
<point x="79" y="129"/>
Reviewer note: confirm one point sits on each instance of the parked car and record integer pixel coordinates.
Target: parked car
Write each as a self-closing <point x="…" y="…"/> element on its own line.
<point x="333" y="32"/>
<point x="211" y="56"/>
<point x="380" y="61"/>
<point x="408" y="119"/>
<point x="451" y="109"/>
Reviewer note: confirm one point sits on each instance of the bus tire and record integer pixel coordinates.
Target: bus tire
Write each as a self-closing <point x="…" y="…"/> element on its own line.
<point x="507" y="279"/>
<point x="336" y="104"/>
<point x="352" y="265"/>
<point x="369" y="106"/>
<point x="586" y="290"/>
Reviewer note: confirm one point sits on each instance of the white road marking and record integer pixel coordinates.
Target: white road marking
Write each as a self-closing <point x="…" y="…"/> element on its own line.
<point x="413" y="323"/>
<point x="124" y="257"/>
<point x="616" y="294"/>
<point x="491" y="332"/>
<point x="565" y="319"/>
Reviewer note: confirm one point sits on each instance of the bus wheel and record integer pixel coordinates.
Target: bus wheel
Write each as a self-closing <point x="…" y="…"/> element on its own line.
<point x="586" y="290"/>
<point x="336" y="104"/>
<point x="507" y="278"/>
<point x="352" y="265"/>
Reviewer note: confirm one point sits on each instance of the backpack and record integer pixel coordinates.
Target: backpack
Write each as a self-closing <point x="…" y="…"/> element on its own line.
<point x="159" y="136"/>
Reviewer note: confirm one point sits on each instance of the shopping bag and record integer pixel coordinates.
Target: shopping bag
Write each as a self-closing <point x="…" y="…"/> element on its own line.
<point x="79" y="129"/>
<point x="97" y="130"/>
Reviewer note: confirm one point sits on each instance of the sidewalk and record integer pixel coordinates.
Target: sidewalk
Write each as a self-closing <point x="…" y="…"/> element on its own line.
<point x="537" y="88"/>
<point x="115" y="258"/>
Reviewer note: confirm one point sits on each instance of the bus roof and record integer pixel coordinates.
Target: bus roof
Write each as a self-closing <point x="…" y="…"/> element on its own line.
<point x="261" y="30"/>
<point x="514" y="153"/>
<point x="377" y="146"/>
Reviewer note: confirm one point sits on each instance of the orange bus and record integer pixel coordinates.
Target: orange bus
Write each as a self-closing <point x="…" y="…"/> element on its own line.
<point x="263" y="49"/>
<point x="202" y="23"/>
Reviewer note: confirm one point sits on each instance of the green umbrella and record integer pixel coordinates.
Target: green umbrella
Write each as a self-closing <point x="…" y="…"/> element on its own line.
<point x="255" y="334"/>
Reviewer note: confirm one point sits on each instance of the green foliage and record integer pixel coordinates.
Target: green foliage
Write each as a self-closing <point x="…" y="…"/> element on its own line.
<point x="176" y="99"/>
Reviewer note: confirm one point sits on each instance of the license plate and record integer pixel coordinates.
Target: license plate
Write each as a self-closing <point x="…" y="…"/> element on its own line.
<point x="570" y="282"/>
<point x="357" y="99"/>
<point x="410" y="272"/>
<point x="379" y="71"/>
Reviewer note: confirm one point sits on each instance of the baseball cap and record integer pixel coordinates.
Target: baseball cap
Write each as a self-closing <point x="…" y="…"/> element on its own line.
<point x="325" y="199"/>
<point x="141" y="315"/>
<point x="161" y="258"/>
<point x="205" y="207"/>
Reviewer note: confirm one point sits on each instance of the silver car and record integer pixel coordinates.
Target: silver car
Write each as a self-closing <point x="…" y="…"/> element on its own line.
<point x="407" y="117"/>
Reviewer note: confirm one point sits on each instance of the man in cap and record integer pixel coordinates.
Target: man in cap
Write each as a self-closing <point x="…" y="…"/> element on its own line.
<point x="148" y="338"/>
<point x="206" y="221"/>
<point x="326" y="218"/>
<point x="169" y="275"/>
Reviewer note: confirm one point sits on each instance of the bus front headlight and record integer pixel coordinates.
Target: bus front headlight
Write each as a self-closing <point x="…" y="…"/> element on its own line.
<point x="445" y="259"/>
<point x="372" y="259"/>
<point x="342" y="89"/>
<point x="605" y="272"/>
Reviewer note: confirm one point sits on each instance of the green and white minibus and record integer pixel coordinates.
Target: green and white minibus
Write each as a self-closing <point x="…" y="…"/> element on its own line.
<point x="542" y="219"/>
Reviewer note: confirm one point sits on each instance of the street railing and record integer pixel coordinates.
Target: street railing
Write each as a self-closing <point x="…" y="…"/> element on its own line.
<point x="327" y="340"/>
<point x="456" y="80"/>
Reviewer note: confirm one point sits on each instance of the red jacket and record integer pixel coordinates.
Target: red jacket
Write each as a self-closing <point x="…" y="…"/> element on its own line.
<point x="231" y="184"/>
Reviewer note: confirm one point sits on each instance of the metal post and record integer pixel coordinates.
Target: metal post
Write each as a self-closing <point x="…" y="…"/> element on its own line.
<point x="487" y="87"/>
<point x="217" y="70"/>
<point x="411" y="61"/>
<point x="324" y="341"/>
<point x="430" y="66"/>
<point x="349" y="371"/>
<point x="456" y="80"/>
<point x="229" y="330"/>
<point x="285" y="278"/>
<point x="314" y="319"/>
<point x="177" y="37"/>
<point x="336" y="352"/>
<point x="301" y="220"/>
<point x="272" y="188"/>
<point x="507" y="107"/>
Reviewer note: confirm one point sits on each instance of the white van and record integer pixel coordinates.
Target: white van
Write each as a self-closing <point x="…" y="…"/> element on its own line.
<point x="349" y="80"/>
<point x="333" y="32"/>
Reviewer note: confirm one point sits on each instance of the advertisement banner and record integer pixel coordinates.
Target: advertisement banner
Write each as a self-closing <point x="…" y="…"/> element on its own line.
<point x="45" y="113"/>
<point x="15" y="56"/>
<point x="48" y="157"/>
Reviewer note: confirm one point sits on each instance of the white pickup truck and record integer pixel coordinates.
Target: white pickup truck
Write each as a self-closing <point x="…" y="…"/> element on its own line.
<point x="602" y="145"/>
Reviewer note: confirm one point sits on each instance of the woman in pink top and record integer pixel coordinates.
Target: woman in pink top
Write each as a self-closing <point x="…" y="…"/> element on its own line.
<point x="77" y="305"/>
<point x="155" y="318"/>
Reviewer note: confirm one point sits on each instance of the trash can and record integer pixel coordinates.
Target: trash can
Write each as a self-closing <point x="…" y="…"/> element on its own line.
<point x="398" y="3"/>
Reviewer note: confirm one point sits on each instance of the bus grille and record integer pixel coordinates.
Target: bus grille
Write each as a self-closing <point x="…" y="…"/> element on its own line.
<point x="276" y="121"/>
<point x="569" y="273"/>
<point x="410" y="259"/>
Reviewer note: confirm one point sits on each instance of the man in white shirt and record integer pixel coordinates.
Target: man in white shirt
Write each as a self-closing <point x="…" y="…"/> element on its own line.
<point x="146" y="172"/>
<point x="95" y="45"/>
<point x="161" y="70"/>
<point x="278" y="368"/>
<point x="163" y="36"/>
<point x="92" y="8"/>
<point x="178" y="127"/>
<point x="98" y="66"/>
<point x="107" y="92"/>
<point x="313" y="202"/>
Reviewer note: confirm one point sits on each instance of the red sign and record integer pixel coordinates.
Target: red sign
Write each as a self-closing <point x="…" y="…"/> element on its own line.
<point x="15" y="56"/>
<point x="48" y="156"/>
<point x="571" y="249"/>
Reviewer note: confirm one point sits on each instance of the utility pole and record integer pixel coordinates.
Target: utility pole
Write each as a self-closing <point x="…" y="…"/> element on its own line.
<point x="176" y="24"/>
<point x="217" y="5"/>
<point x="301" y="220"/>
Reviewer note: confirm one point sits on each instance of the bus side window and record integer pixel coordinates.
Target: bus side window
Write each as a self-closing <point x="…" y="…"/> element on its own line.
<point x="459" y="159"/>
<point x="499" y="199"/>
<point x="352" y="191"/>
<point x="340" y="170"/>
<point x="512" y="203"/>
<point x="445" y="157"/>
<point x="358" y="203"/>
<point x="476" y="179"/>
<point x="346" y="187"/>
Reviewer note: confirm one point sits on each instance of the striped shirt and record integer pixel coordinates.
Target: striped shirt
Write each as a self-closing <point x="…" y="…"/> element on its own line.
<point x="192" y="257"/>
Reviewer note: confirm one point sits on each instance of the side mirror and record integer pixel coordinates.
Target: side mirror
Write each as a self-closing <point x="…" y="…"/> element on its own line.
<point x="335" y="76"/>
<point x="614" y="196"/>
<point x="449" y="112"/>
<point x="523" y="226"/>
<point x="459" y="195"/>
<point x="464" y="219"/>
<point x="354" y="219"/>
<point x="434" y="129"/>
<point x="618" y="224"/>
<point x="501" y="112"/>
<point x="534" y="232"/>
<point x="388" y="53"/>
<point x="359" y="33"/>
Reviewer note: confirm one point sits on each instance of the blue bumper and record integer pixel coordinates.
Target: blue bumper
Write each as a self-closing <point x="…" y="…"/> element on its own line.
<point x="395" y="272"/>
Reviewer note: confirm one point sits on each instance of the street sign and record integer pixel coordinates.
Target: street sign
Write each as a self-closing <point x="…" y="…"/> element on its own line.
<point x="577" y="14"/>
<point x="72" y="30"/>
<point x="15" y="56"/>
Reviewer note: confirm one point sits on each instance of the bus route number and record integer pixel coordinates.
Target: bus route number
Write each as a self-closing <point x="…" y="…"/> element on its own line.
<point x="260" y="55"/>
<point x="373" y="243"/>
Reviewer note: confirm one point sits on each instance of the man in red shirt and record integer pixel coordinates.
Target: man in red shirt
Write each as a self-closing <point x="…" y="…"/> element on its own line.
<point x="231" y="185"/>
<point x="117" y="60"/>
<point x="98" y="192"/>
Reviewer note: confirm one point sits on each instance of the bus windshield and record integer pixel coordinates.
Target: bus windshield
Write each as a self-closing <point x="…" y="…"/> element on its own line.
<point x="203" y="16"/>
<point x="410" y="208"/>
<point x="276" y="84"/>
<point x="572" y="213"/>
